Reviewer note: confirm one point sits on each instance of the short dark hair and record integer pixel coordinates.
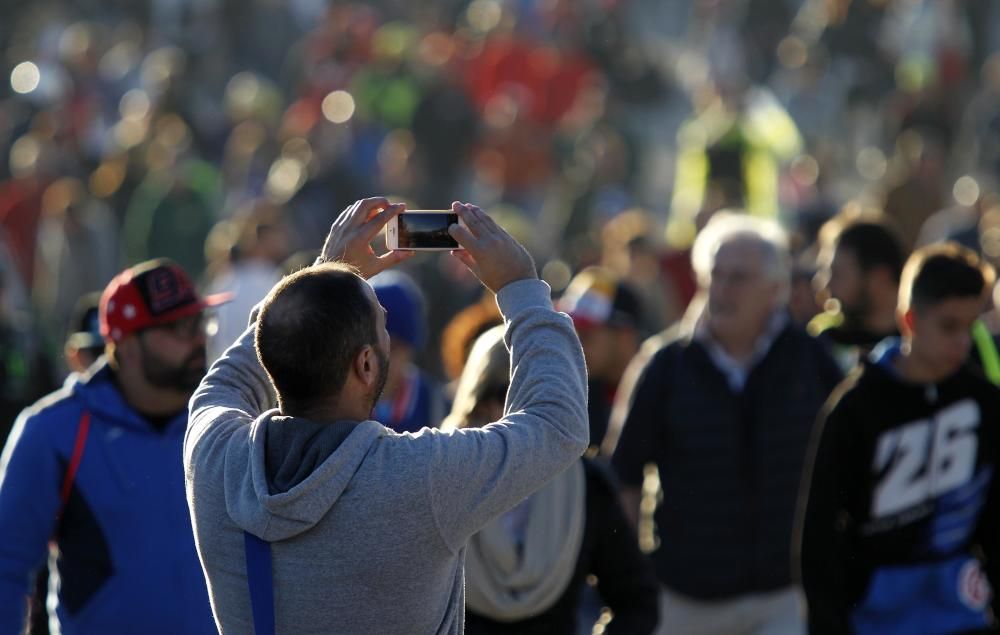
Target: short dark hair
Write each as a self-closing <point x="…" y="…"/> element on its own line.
<point x="939" y="272"/>
<point x="874" y="244"/>
<point x="310" y="328"/>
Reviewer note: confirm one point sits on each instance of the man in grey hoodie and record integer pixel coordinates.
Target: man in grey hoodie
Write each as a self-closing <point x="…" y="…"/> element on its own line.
<point x="366" y="527"/>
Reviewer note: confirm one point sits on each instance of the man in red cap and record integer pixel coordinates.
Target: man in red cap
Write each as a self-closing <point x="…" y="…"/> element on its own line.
<point x="91" y="477"/>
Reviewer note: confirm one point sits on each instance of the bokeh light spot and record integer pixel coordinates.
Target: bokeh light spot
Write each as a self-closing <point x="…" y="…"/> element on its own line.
<point x="557" y="273"/>
<point x="966" y="191"/>
<point x="871" y="163"/>
<point x="338" y="106"/>
<point x="25" y="78"/>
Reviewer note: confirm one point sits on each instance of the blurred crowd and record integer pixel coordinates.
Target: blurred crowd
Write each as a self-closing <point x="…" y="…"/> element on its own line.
<point x="228" y="135"/>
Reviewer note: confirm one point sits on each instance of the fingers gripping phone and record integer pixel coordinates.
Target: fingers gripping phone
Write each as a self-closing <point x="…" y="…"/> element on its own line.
<point x="422" y="230"/>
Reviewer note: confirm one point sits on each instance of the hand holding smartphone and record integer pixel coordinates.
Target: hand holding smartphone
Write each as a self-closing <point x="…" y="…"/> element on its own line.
<point x="422" y="230"/>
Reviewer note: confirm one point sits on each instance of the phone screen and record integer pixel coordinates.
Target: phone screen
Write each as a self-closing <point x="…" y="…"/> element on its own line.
<point x="426" y="230"/>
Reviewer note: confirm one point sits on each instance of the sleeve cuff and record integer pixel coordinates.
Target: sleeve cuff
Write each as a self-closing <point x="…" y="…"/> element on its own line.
<point x="522" y="294"/>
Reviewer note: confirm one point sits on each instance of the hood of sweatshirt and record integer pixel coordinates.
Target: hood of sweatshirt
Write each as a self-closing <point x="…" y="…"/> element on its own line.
<point x="298" y="470"/>
<point x="884" y="355"/>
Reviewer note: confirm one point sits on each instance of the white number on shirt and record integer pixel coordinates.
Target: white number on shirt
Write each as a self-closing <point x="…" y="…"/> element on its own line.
<point x="925" y="458"/>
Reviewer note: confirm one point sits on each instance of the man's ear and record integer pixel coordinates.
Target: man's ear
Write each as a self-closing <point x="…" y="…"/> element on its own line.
<point x="365" y="365"/>
<point x="74" y="359"/>
<point x="904" y="320"/>
<point x="127" y="350"/>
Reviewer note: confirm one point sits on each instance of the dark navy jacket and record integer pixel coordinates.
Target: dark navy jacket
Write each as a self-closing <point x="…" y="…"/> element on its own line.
<point x="127" y="559"/>
<point x="730" y="462"/>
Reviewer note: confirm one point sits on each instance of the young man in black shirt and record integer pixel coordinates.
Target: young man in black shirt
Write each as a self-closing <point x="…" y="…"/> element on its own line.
<point x="899" y="527"/>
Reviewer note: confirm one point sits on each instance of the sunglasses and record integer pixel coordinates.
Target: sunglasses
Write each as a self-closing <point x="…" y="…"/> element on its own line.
<point x="185" y="328"/>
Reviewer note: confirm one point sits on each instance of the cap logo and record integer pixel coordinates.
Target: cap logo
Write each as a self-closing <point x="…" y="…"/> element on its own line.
<point x="165" y="291"/>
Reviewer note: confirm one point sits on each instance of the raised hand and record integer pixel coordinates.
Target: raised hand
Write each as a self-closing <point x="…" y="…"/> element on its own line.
<point x="350" y="236"/>
<point x="489" y="251"/>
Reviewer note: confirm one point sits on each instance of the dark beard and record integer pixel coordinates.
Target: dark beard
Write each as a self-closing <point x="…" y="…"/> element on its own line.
<point x="184" y="377"/>
<point x="854" y="316"/>
<point x="383" y="377"/>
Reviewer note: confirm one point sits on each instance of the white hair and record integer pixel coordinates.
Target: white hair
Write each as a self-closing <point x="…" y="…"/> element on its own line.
<point x="729" y="227"/>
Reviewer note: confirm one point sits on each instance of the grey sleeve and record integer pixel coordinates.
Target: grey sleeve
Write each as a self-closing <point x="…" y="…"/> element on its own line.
<point x="235" y="391"/>
<point x="477" y="474"/>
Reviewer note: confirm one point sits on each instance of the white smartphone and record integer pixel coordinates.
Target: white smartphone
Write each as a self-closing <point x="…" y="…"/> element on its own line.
<point x="422" y="230"/>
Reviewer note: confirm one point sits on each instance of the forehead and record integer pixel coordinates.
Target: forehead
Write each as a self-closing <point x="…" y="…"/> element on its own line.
<point x="740" y="254"/>
<point x="959" y="308"/>
<point x="844" y="256"/>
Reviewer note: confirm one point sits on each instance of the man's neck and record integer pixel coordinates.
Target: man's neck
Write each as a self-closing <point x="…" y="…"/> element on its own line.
<point x="915" y="371"/>
<point x="326" y="413"/>
<point x="880" y="322"/>
<point x="149" y="400"/>
<point x="741" y="349"/>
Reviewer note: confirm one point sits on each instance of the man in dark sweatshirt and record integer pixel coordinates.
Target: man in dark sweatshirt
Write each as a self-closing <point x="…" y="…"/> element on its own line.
<point x="366" y="528"/>
<point x="900" y="521"/>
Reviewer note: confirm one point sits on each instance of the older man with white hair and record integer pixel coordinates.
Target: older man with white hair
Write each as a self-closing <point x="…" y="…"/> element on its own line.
<point x="724" y="407"/>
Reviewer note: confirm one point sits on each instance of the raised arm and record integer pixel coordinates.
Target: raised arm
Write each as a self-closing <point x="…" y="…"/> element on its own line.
<point x="477" y="474"/>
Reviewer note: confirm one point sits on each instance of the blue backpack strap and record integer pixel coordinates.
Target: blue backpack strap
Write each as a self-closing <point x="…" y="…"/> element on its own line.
<point x="261" y="583"/>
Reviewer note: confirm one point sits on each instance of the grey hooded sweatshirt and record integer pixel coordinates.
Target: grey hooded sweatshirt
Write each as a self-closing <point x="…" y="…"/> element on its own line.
<point x="368" y="527"/>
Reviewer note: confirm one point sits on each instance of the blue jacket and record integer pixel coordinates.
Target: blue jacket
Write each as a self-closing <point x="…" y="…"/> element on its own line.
<point x="127" y="560"/>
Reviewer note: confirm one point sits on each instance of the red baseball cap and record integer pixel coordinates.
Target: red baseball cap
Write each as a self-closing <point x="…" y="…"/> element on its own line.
<point x="151" y="293"/>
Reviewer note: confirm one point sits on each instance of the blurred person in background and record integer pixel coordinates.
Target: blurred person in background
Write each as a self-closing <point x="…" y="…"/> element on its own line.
<point x="26" y="373"/>
<point x="607" y="314"/>
<point x="730" y="153"/>
<point x="31" y="169"/>
<point x="915" y="187"/>
<point x="724" y="409"/>
<point x="84" y="343"/>
<point x="74" y="228"/>
<point x="172" y="211"/>
<point x="860" y="262"/>
<point x="526" y="570"/>
<point x="462" y="331"/>
<point x="630" y="248"/>
<point x="412" y="399"/>
<point x="96" y="468"/>
<point x="252" y="247"/>
<point x="901" y="504"/>
<point x="976" y="210"/>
